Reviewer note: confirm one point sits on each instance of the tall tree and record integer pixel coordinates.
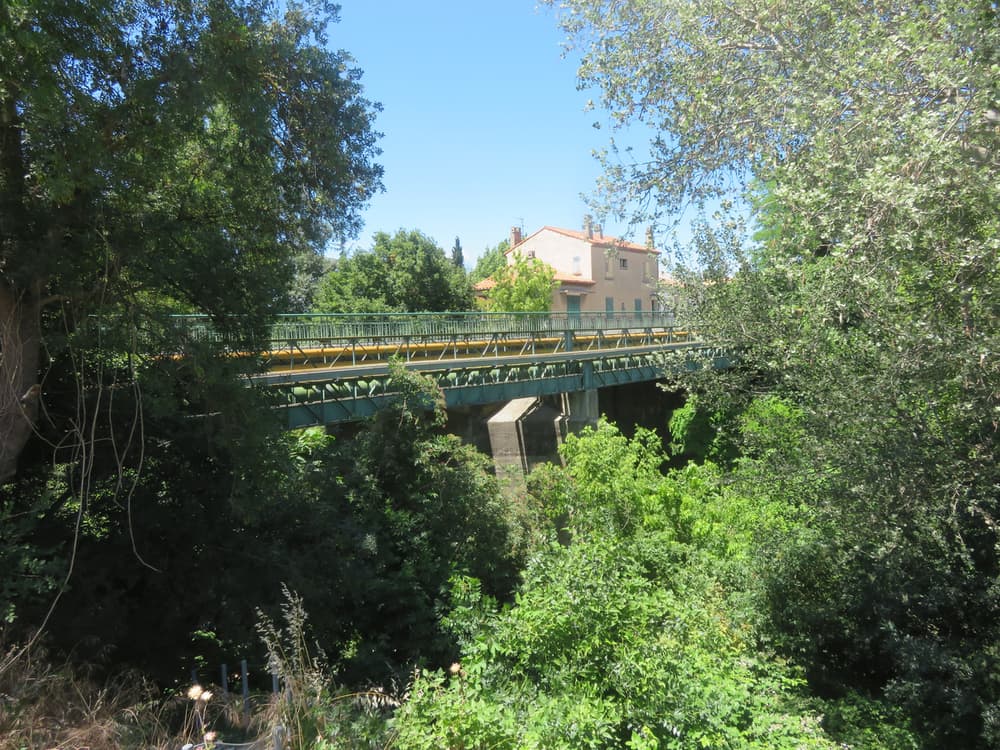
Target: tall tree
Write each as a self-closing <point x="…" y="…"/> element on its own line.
<point x="870" y="303"/>
<point x="310" y="268"/>
<point x="406" y="271"/>
<point x="457" y="257"/>
<point x="493" y="259"/>
<point x="158" y="154"/>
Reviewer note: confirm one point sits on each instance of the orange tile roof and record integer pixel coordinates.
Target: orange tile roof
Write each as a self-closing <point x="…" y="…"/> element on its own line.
<point x="582" y="236"/>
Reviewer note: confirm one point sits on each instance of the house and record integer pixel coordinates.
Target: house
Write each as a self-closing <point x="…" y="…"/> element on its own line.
<point x="595" y="273"/>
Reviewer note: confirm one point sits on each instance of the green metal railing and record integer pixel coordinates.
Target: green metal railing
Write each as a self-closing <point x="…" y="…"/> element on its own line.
<point x="321" y="328"/>
<point x="303" y="341"/>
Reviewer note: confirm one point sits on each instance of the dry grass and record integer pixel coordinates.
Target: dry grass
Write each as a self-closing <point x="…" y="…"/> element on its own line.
<point x="45" y="706"/>
<point x="49" y="706"/>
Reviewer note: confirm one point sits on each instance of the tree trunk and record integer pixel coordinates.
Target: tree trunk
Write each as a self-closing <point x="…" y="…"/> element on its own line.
<point x="20" y="304"/>
<point x="20" y="349"/>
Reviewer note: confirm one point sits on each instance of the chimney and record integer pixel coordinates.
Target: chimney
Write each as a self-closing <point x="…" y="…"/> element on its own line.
<point x="588" y="226"/>
<point x="515" y="236"/>
<point x="649" y="238"/>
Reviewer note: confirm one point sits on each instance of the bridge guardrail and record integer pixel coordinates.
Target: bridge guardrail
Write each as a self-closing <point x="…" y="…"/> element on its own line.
<point x="391" y="326"/>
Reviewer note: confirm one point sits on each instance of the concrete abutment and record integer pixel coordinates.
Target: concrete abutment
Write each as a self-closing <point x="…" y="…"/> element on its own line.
<point x="527" y="432"/>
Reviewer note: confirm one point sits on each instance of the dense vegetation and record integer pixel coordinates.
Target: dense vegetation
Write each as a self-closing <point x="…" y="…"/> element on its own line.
<point x="524" y="284"/>
<point x="492" y="259"/>
<point x="404" y="272"/>
<point x="867" y="306"/>
<point x="812" y="561"/>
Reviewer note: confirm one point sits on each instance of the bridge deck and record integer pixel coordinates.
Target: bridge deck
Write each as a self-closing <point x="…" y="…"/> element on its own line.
<point x="331" y="368"/>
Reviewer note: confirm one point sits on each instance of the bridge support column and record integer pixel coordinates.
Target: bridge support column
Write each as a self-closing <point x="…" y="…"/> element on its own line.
<point x="523" y="434"/>
<point x="580" y="409"/>
<point x="507" y="436"/>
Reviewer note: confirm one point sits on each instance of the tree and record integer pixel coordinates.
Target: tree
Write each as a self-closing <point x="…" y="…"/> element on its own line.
<point x="403" y="272"/>
<point x="158" y="154"/>
<point x="733" y="93"/>
<point x="370" y="528"/>
<point x="490" y="261"/>
<point x="869" y="303"/>
<point x="457" y="257"/>
<point x="526" y="285"/>
<point x="310" y="268"/>
<point x="631" y="632"/>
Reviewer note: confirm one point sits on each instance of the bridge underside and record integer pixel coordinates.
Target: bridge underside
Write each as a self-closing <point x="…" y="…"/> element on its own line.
<point x="348" y="394"/>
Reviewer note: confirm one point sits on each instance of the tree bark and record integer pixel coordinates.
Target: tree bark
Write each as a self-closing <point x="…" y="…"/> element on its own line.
<point x="20" y="350"/>
<point x="20" y="289"/>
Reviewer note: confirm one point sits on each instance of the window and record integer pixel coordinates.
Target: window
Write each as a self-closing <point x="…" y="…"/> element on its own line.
<point x="576" y="265"/>
<point x="530" y="254"/>
<point x="623" y="263"/>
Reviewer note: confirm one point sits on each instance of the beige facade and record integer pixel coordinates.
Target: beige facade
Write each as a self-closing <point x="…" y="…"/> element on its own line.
<point x="595" y="273"/>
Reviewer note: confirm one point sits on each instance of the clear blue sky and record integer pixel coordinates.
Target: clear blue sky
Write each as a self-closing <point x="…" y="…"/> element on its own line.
<point x="483" y="125"/>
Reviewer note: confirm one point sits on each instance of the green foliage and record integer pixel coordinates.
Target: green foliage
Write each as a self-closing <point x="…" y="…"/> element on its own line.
<point x="633" y="634"/>
<point x="470" y="611"/>
<point x="403" y="272"/>
<point x="856" y="721"/>
<point x="155" y="157"/>
<point x="159" y="153"/>
<point x="457" y="256"/>
<point x="868" y="307"/>
<point x="32" y="570"/>
<point x="491" y="261"/>
<point x="697" y="434"/>
<point x="615" y="482"/>
<point x="609" y="644"/>
<point x="525" y="285"/>
<point x="309" y="270"/>
<point x="372" y="527"/>
<point x="407" y="509"/>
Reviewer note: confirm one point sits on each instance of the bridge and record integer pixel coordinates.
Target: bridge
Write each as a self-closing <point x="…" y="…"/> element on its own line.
<point x="327" y="369"/>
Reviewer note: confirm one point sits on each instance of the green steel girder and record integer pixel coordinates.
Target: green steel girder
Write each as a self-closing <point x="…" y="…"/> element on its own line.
<point x="343" y="399"/>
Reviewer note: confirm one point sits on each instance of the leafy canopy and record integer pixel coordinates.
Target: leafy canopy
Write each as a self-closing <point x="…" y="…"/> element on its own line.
<point x="522" y="285"/>
<point x="492" y="260"/>
<point x="404" y="272"/>
<point x="867" y="134"/>
<point x="158" y="155"/>
<point x="632" y="633"/>
<point x="187" y="148"/>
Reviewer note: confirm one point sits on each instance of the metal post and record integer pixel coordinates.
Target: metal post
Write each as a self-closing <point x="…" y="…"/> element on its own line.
<point x="246" y="688"/>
